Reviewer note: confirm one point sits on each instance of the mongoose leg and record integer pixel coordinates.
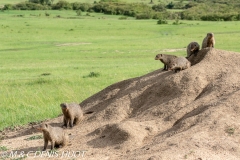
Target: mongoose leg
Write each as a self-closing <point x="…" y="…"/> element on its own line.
<point x="165" y="67"/>
<point x="65" y="122"/>
<point x="75" y="121"/>
<point x="52" y="145"/>
<point x="45" y="144"/>
<point x="71" y="122"/>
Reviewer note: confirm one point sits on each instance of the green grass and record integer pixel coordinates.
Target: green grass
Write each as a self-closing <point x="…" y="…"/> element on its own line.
<point x="47" y="60"/>
<point x="34" y="137"/>
<point x="3" y="148"/>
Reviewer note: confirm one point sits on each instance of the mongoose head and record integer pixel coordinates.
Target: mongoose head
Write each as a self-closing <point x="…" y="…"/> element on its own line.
<point x="64" y="107"/>
<point x="158" y="56"/>
<point x="43" y="127"/>
<point x="210" y="35"/>
<point x="172" y="65"/>
<point x="194" y="46"/>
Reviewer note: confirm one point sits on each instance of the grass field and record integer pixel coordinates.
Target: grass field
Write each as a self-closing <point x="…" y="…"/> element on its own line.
<point x="48" y="60"/>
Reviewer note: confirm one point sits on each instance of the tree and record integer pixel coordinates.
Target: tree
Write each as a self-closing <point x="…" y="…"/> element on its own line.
<point x="170" y="5"/>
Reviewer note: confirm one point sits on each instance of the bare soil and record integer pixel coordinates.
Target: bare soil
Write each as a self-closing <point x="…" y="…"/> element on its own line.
<point x="193" y="114"/>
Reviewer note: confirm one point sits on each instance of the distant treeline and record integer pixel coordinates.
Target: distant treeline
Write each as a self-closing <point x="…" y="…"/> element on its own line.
<point x="193" y="10"/>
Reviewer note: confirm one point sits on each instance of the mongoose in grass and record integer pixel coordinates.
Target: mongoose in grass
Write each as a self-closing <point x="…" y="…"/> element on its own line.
<point x="192" y="48"/>
<point x="208" y="41"/>
<point x="72" y="113"/>
<point x="165" y="59"/>
<point x="179" y="64"/>
<point x="55" y="135"/>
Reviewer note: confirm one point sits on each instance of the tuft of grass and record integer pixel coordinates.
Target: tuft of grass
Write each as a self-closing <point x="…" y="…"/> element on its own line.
<point x="34" y="137"/>
<point x="45" y="74"/>
<point x="3" y="148"/>
<point x="20" y="158"/>
<point x="188" y="154"/>
<point x="230" y="131"/>
<point x="92" y="75"/>
<point x="185" y="156"/>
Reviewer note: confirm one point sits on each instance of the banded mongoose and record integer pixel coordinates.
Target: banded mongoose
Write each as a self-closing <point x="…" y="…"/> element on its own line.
<point x="208" y="41"/>
<point x="55" y="135"/>
<point x="165" y="59"/>
<point x="192" y="48"/>
<point x="72" y="113"/>
<point x="179" y="64"/>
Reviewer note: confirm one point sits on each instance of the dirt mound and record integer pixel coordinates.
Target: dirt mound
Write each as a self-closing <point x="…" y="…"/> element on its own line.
<point x="193" y="110"/>
<point x="193" y="114"/>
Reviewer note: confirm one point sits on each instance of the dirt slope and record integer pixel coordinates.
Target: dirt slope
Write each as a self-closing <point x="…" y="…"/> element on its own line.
<point x="193" y="114"/>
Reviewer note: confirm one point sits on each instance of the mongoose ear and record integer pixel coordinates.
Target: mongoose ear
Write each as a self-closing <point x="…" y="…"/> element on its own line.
<point x="63" y="105"/>
<point x="161" y="55"/>
<point x="46" y="125"/>
<point x="209" y="34"/>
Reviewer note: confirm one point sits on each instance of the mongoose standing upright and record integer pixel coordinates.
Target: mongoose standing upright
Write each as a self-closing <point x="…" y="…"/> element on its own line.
<point x="55" y="135"/>
<point x="165" y="59"/>
<point x="179" y="64"/>
<point x="192" y="48"/>
<point x="208" y="41"/>
<point x="72" y="113"/>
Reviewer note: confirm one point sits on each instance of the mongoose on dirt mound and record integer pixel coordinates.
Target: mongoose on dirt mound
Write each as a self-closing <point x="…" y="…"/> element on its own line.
<point x="179" y="64"/>
<point x="208" y="41"/>
<point x="72" y="113"/>
<point x="165" y="59"/>
<point x="55" y="135"/>
<point x="192" y="48"/>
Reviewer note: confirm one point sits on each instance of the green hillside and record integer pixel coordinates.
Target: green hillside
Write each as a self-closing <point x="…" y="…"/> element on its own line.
<point x="2" y="2"/>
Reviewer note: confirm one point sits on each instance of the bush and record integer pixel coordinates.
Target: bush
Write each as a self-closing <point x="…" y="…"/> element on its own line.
<point x="176" y="22"/>
<point x="170" y="5"/>
<point x="47" y="14"/>
<point x="79" y="12"/>
<point x="162" y="21"/>
<point x="144" y="16"/>
<point x="109" y="1"/>
<point x="211" y="12"/>
<point x="8" y="7"/>
<point x="122" y="8"/>
<point x="29" y="6"/>
<point x="48" y="2"/>
<point x="122" y="18"/>
<point x="62" y="5"/>
<point x="159" y="8"/>
<point x="82" y="6"/>
<point x="161" y="15"/>
<point x="220" y="17"/>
